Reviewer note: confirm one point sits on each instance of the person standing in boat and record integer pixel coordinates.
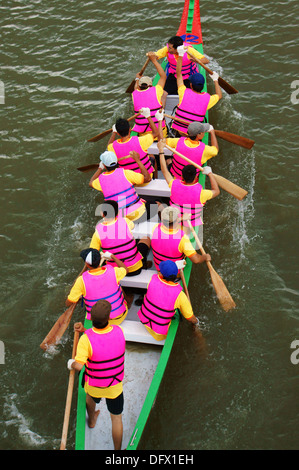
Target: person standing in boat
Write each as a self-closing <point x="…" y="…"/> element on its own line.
<point x="98" y="282"/>
<point x="140" y="144"/>
<point x="187" y="194"/>
<point x="192" y="147"/>
<point x="145" y="95"/>
<point x="163" y="296"/>
<point x="189" y="67"/>
<point x="113" y="236"/>
<point x="118" y="184"/>
<point x="169" y="242"/>
<point x="193" y="102"/>
<point x="101" y="349"/>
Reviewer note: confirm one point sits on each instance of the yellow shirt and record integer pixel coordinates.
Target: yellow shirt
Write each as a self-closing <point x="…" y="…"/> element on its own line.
<point x="213" y="98"/>
<point x="96" y="242"/>
<point x="164" y="51"/>
<point x="209" y="150"/>
<point x="185" y="245"/>
<point x="182" y="303"/>
<point x="145" y="141"/>
<point x="133" y="178"/>
<point x="205" y="194"/>
<point x="84" y="352"/>
<point x="78" y="290"/>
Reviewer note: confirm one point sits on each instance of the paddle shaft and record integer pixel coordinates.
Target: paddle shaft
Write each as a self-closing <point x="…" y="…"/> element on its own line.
<point x="104" y="133"/>
<point x="69" y="396"/>
<point x="233" y="138"/>
<point x="226" y="86"/>
<point x="94" y="166"/>
<point x="131" y="87"/>
<point x="225" y="184"/>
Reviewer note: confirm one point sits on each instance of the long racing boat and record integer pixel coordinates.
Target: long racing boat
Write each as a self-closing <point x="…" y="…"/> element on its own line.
<point x="145" y="358"/>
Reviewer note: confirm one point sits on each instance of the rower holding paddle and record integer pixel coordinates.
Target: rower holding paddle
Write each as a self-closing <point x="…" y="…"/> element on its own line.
<point x="187" y="194"/>
<point x="113" y="235"/>
<point x="192" y="147"/>
<point x="170" y="51"/>
<point x="168" y="240"/>
<point x="140" y="144"/>
<point x="118" y="184"/>
<point x="164" y="295"/>
<point x="146" y="95"/>
<point x="193" y="102"/>
<point x="100" y="283"/>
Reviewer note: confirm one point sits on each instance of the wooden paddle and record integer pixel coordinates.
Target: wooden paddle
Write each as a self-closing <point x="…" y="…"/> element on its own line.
<point x="226" y="86"/>
<point x="59" y="328"/>
<point x="94" y="166"/>
<point x="103" y="134"/>
<point x="69" y="396"/>
<point x="222" y="293"/>
<point x="131" y="87"/>
<point x="231" y="188"/>
<point x="233" y="138"/>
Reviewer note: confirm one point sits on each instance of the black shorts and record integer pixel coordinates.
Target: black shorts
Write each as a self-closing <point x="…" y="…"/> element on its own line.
<point x="115" y="405"/>
<point x="143" y="250"/>
<point x="171" y="85"/>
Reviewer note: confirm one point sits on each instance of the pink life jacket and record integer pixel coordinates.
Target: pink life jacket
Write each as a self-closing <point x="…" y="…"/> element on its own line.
<point x="166" y="245"/>
<point x="115" y="186"/>
<point x="193" y="153"/>
<point x="192" y="108"/>
<point x="122" y="149"/>
<point x="158" y="305"/>
<point x="189" y="67"/>
<point x="146" y="99"/>
<point x="186" y="197"/>
<point x="117" y="238"/>
<point x="104" y="286"/>
<point x="105" y="368"/>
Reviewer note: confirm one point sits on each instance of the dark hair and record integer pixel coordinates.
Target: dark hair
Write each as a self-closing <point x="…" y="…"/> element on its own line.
<point x="100" y="313"/>
<point x="197" y="88"/>
<point x="112" y="211"/>
<point x="171" y="278"/>
<point x="112" y="167"/>
<point x="176" y="41"/>
<point x="189" y="173"/>
<point x="122" y="127"/>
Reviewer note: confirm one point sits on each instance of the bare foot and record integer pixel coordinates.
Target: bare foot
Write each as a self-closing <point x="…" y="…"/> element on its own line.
<point x="92" y="422"/>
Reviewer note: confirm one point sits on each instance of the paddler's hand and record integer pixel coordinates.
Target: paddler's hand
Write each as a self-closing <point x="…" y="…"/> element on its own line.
<point x="214" y="76"/>
<point x="145" y="112"/>
<point x="181" y="50"/>
<point x="159" y="115"/>
<point x="180" y="264"/>
<point x="206" y="257"/>
<point x="106" y="256"/>
<point x="135" y="156"/>
<point x="78" y="326"/>
<point x="152" y="56"/>
<point x="206" y="170"/>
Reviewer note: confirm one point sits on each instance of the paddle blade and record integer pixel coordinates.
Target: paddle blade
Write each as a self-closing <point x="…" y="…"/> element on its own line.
<point x="86" y="168"/>
<point x="131" y="87"/>
<point x="235" y="139"/>
<point x="222" y="293"/>
<point x="100" y="136"/>
<point x="231" y="188"/>
<point x="58" y="329"/>
<point x="227" y="87"/>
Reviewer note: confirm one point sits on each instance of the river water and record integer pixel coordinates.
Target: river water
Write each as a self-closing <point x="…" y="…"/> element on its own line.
<point x="65" y="68"/>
